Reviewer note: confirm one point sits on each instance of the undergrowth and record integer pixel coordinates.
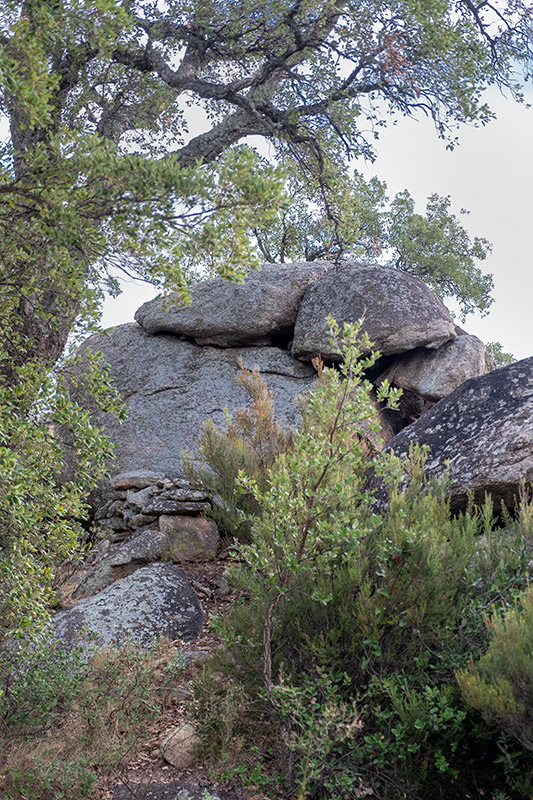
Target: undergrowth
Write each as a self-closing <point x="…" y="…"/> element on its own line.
<point x="381" y="646"/>
<point x="339" y="674"/>
<point x="65" y="724"/>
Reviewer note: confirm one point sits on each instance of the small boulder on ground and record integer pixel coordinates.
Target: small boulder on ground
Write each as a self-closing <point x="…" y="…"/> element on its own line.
<point x="154" y="601"/>
<point x="179" y="745"/>
<point x="166" y="789"/>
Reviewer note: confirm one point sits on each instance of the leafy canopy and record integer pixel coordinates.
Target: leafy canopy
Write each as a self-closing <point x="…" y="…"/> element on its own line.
<point x="101" y="169"/>
<point x="359" y="221"/>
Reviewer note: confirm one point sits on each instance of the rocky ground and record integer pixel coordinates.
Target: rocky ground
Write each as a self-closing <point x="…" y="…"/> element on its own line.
<point x="147" y="775"/>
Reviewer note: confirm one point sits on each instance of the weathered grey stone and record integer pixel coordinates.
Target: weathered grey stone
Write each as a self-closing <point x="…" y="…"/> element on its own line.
<point x="171" y="387"/>
<point x="136" y="479"/>
<point x="179" y="539"/>
<point x="400" y="312"/>
<point x="116" y="508"/>
<point x="161" y="505"/>
<point x="490" y="362"/>
<point x="179" y="745"/>
<point x="436" y="373"/>
<point x="229" y="314"/>
<point x="137" y="499"/>
<point x="185" y="495"/>
<point x="190" y="538"/>
<point x="114" y="523"/>
<point x="102" y="512"/>
<point x="141" y="521"/>
<point x="118" y="536"/>
<point x="182" y="483"/>
<point x="170" y="789"/>
<point x="98" y="577"/>
<point x="154" y="601"/>
<point x="123" y="559"/>
<point x="100" y="550"/>
<point x="484" y="431"/>
<point x="149" y="545"/>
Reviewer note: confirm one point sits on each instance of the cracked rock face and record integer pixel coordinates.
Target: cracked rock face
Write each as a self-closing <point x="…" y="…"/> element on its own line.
<point x="234" y="315"/>
<point x="400" y="312"/>
<point x="154" y="601"/>
<point x="484" y="430"/>
<point x="172" y="386"/>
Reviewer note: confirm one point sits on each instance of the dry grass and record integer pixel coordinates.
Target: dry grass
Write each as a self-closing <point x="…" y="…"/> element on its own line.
<point x="109" y="727"/>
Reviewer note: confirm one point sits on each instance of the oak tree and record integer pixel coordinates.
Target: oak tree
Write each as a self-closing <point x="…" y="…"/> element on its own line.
<point x="361" y="222"/>
<point x="127" y="145"/>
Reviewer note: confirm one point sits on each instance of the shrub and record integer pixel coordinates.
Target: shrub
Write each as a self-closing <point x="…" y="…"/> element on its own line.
<point x="500" y="683"/>
<point x="250" y="442"/>
<point x="63" y="724"/>
<point x="315" y="507"/>
<point x="40" y="516"/>
<point x="357" y="621"/>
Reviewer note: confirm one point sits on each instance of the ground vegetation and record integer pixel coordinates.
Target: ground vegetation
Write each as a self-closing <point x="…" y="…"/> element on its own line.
<point x="379" y="649"/>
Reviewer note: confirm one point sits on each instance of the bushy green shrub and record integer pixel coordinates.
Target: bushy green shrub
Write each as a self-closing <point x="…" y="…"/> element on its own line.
<point x="500" y="683"/>
<point x="357" y="621"/>
<point x="406" y="608"/>
<point x="41" y="427"/>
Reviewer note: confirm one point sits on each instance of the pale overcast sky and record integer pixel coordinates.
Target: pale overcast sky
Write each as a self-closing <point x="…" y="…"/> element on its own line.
<point x="491" y="174"/>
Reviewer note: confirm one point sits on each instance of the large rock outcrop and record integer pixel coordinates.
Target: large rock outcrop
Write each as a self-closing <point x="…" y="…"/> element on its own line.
<point x="171" y="387"/>
<point x="400" y="312"/>
<point x="177" y="368"/>
<point x="483" y="433"/>
<point x="261" y="311"/>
